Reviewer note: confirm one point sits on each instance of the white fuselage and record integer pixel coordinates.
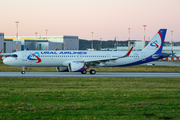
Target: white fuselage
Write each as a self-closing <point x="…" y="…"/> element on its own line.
<point x="59" y="58"/>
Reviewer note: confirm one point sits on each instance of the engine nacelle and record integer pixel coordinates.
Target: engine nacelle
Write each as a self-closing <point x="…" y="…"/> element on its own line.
<point x="76" y="67"/>
<point x="62" y="69"/>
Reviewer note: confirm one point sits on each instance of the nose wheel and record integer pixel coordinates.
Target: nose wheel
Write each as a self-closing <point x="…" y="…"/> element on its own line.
<point x="23" y="71"/>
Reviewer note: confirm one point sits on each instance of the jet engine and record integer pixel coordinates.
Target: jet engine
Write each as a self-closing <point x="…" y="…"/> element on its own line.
<point x="62" y="69"/>
<point x="76" y="67"/>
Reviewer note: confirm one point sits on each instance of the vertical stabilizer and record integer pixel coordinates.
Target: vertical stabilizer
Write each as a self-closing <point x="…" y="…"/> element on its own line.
<point x="156" y="44"/>
<point x="2" y="51"/>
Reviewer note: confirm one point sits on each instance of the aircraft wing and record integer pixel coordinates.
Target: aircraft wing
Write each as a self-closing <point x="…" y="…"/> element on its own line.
<point x="95" y="62"/>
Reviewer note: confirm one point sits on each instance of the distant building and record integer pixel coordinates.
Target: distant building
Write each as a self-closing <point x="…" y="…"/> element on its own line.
<point x="8" y="43"/>
<point x="1" y="41"/>
<point x="139" y="45"/>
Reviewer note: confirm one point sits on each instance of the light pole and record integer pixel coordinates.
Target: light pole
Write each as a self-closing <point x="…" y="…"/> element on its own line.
<point x="17" y="35"/>
<point x="46" y="39"/>
<point x="144" y="34"/>
<point x="36" y="39"/>
<point x="171" y="40"/>
<point x="100" y="43"/>
<point x="92" y="41"/>
<point x="129" y="38"/>
<point x="117" y="43"/>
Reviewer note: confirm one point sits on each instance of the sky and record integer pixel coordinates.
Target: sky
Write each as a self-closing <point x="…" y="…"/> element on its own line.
<point x="106" y="18"/>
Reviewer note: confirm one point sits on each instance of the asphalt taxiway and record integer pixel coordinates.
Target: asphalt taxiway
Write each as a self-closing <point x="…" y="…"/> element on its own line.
<point x="98" y="74"/>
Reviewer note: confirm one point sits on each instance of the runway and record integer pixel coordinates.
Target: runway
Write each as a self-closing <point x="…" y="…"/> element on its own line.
<point x="98" y="74"/>
<point x="164" y="63"/>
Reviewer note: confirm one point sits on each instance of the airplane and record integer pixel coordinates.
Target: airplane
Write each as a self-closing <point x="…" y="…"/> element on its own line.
<point x="79" y="61"/>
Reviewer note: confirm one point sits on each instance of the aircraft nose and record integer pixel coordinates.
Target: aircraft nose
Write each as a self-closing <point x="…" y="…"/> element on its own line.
<point x="5" y="61"/>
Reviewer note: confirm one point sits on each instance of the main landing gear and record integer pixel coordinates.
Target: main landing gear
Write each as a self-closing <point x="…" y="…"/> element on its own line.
<point x="84" y="71"/>
<point x="23" y="71"/>
<point x="91" y="72"/>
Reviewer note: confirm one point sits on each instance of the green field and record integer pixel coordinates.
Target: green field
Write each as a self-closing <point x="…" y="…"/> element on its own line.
<point x="89" y="98"/>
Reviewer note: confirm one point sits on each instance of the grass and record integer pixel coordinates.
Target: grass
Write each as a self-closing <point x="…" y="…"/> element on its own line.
<point x="138" y="68"/>
<point x="89" y="98"/>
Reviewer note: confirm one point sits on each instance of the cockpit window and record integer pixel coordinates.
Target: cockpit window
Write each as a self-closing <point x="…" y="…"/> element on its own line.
<point x="14" y="55"/>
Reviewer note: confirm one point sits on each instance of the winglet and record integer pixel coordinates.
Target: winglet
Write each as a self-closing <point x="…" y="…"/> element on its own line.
<point x="129" y="52"/>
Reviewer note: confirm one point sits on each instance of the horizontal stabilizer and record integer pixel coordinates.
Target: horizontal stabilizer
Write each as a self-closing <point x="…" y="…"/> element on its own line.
<point x="162" y="55"/>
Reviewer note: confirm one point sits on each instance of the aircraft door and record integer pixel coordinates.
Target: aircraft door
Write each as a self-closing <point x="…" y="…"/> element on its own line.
<point x="79" y="57"/>
<point x="108" y="55"/>
<point x="24" y="56"/>
<point x="143" y="56"/>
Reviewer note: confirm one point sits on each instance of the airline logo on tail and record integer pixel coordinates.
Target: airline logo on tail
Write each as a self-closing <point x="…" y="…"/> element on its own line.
<point x="36" y="54"/>
<point x="154" y="44"/>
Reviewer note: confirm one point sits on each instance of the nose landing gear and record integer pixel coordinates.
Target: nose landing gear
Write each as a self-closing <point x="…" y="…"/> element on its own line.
<point x="23" y="71"/>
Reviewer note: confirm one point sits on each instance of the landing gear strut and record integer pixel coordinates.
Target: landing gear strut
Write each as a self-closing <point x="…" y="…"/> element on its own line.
<point x="92" y="72"/>
<point x="23" y="71"/>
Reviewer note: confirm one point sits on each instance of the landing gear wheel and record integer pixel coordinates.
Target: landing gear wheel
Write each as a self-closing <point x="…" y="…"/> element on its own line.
<point x="84" y="72"/>
<point x="92" y="72"/>
<point x="22" y="72"/>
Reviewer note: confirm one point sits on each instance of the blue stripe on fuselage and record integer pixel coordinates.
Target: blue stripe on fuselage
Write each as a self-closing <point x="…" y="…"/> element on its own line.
<point x="148" y="59"/>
